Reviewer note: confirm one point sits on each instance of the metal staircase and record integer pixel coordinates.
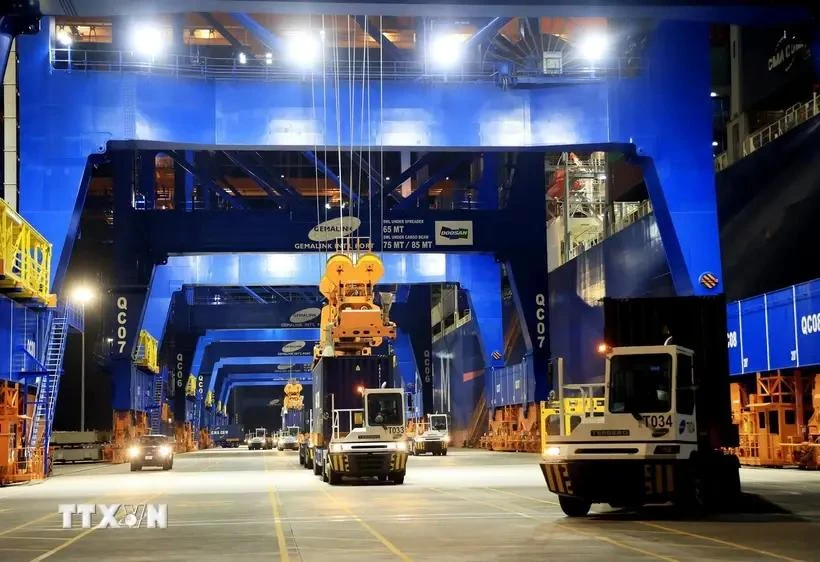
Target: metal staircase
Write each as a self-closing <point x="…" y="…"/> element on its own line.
<point x="156" y="408"/>
<point x="48" y="384"/>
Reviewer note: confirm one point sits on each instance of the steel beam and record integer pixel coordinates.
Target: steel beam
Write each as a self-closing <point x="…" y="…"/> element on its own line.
<point x="254" y="295"/>
<point x="328" y="173"/>
<point x="424" y="160"/>
<point x="412" y="199"/>
<point x="375" y="32"/>
<point x="486" y="32"/>
<point x="213" y="22"/>
<point x="262" y="34"/>
<point x="260" y="181"/>
<point x="207" y="181"/>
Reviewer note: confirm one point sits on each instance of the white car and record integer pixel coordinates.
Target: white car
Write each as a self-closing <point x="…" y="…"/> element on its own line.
<point x="287" y="442"/>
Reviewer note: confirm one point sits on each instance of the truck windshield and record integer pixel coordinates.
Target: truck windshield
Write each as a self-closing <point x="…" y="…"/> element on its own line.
<point x="293" y="431"/>
<point x="384" y="409"/>
<point x="260" y="432"/>
<point x="640" y="384"/>
<point x="438" y="423"/>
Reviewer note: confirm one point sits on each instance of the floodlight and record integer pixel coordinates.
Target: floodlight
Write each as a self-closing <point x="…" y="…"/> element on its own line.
<point x="243" y="58"/>
<point x="593" y="46"/>
<point x="303" y="48"/>
<point x="147" y="39"/>
<point x="446" y="50"/>
<point x="64" y="38"/>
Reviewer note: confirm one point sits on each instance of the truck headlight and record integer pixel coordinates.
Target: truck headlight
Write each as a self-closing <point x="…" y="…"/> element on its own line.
<point x="401" y="445"/>
<point x="446" y="438"/>
<point x="335" y="447"/>
<point x="552" y="451"/>
<point x="133" y="451"/>
<point x="165" y="450"/>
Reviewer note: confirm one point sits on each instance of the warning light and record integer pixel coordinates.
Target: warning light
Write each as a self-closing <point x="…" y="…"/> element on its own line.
<point x="603" y="348"/>
<point x="360" y="389"/>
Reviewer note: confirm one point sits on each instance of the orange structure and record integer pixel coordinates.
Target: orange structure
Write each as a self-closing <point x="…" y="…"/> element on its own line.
<point x="513" y="428"/>
<point x="18" y="462"/>
<point x="778" y="424"/>
<point x="128" y="425"/>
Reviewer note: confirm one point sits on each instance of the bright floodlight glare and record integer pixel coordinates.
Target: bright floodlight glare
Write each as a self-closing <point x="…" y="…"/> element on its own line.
<point x="147" y="40"/>
<point x="303" y="48"/>
<point x="714" y="143"/>
<point x="82" y="294"/>
<point x="268" y="58"/>
<point x="713" y="95"/>
<point x="64" y="38"/>
<point x="327" y="205"/>
<point x="446" y="50"/>
<point x="243" y="58"/>
<point x="594" y="46"/>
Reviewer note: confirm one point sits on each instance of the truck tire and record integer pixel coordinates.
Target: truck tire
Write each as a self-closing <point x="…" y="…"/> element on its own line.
<point x="444" y="453"/>
<point x="399" y="479"/>
<point x="135" y="467"/>
<point x="317" y="468"/>
<point x="574" y="507"/>
<point x="332" y="477"/>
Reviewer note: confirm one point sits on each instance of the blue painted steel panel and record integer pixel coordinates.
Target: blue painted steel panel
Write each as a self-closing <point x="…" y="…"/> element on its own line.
<point x="631" y="263"/>
<point x="458" y="357"/>
<point x="733" y="337"/>
<point x="807" y="298"/>
<point x="98" y="107"/>
<point x="474" y="271"/>
<point x="781" y="329"/>
<point x="754" y="343"/>
<point x="21" y="329"/>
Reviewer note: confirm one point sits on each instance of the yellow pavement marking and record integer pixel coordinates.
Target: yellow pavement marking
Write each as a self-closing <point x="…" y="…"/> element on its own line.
<point x="573" y="527"/>
<point x="277" y="519"/>
<point x="523" y="496"/>
<point x="381" y="538"/>
<point x="719" y="541"/>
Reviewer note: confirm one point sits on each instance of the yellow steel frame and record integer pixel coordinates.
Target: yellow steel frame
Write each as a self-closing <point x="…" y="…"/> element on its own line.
<point x="573" y="407"/>
<point x="25" y="258"/>
<point x="147" y="353"/>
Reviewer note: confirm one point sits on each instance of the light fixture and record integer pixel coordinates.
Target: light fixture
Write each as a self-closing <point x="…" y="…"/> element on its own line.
<point x="83" y="294"/>
<point x="714" y="143"/>
<point x="593" y="46"/>
<point x="327" y="205"/>
<point x="387" y="178"/>
<point x="243" y="58"/>
<point x="268" y="58"/>
<point x="147" y="39"/>
<point x="713" y="95"/>
<point x="601" y="177"/>
<point x="282" y="176"/>
<point x="64" y="37"/>
<point x="446" y="50"/>
<point x="303" y="48"/>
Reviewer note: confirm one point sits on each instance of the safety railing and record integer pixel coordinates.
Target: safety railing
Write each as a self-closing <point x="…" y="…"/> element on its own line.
<point x="794" y="116"/>
<point x="75" y="316"/>
<point x="25" y="258"/>
<point x="147" y="354"/>
<point x="253" y="68"/>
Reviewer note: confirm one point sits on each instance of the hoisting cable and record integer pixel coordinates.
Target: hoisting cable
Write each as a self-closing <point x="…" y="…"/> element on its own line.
<point x="362" y="116"/>
<point x="381" y="136"/>
<point x="315" y="147"/>
<point x="369" y="160"/>
<point x="338" y="124"/>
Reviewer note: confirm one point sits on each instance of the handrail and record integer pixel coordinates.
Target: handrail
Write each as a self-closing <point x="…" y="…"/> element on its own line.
<point x="794" y="116"/>
<point x="83" y="60"/>
<point x="25" y="258"/>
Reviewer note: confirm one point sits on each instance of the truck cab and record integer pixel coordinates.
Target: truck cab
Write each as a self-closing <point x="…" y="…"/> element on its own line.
<point x="431" y="437"/>
<point x="367" y="442"/>
<point x="635" y="439"/>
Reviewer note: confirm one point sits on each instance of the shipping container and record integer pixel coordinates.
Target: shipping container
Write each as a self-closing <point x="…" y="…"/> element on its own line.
<point x="338" y="383"/>
<point x="697" y="323"/>
<point x="228" y="435"/>
<point x="293" y="418"/>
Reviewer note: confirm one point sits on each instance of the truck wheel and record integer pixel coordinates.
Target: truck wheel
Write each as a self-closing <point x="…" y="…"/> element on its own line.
<point x="317" y="468"/>
<point x="574" y="507"/>
<point x="332" y="477"/>
<point x="399" y="479"/>
<point x="301" y="459"/>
